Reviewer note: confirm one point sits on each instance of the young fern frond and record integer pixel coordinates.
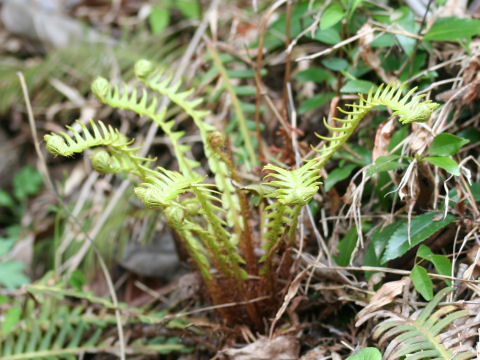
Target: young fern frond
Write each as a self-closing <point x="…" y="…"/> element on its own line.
<point x="128" y="99"/>
<point x="121" y="157"/>
<point x="65" y="145"/>
<point x="409" y="108"/>
<point x="293" y="190"/>
<point x="156" y="80"/>
<point x="422" y="338"/>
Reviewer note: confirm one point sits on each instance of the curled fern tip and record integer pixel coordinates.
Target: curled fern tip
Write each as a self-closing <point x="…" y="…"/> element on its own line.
<point x="55" y="144"/>
<point x="101" y="87"/>
<point x="143" y="68"/>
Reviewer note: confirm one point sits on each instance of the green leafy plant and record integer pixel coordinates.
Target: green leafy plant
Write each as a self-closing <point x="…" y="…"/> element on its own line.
<point x="26" y="182"/>
<point x="49" y="324"/>
<point x="212" y="220"/>
<point x="423" y="336"/>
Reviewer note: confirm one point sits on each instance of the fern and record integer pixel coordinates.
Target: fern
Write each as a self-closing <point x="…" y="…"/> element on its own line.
<point x="204" y="215"/>
<point x="295" y="188"/>
<point x="420" y="337"/>
<point x="59" y="330"/>
<point x="409" y="109"/>
<point x="156" y="80"/>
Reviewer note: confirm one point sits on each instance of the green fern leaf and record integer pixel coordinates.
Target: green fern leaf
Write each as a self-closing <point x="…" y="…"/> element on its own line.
<point x="419" y="338"/>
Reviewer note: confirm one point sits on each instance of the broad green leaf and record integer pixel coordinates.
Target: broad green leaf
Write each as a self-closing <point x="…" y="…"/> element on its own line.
<point x="421" y="228"/>
<point x="314" y="102"/>
<point x="159" y="19"/>
<point x="352" y="6"/>
<point x="385" y="40"/>
<point x="335" y="64"/>
<point x="5" y="245"/>
<point x="339" y="174"/>
<point x="407" y="22"/>
<point x="446" y="144"/>
<point x="12" y="317"/>
<point x="357" y="86"/>
<point x="422" y="282"/>
<point x="329" y="36"/>
<point x="332" y="15"/>
<point x="244" y="73"/>
<point x="369" y="353"/>
<point x="442" y="264"/>
<point x="4" y="299"/>
<point x="314" y="73"/>
<point x="244" y="90"/>
<point x="26" y="182"/>
<point x="385" y="163"/>
<point x="475" y="189"/>
<point x="452" y="29"/>
<point x="445" y="163"/>
<point x="346" y="246"/>
<point x="11" y="275"/>
<point x="471" y="134"/>
<point x="6" y="199"/>
<point x="189" y="8"/>
<point x="77" y="280"/>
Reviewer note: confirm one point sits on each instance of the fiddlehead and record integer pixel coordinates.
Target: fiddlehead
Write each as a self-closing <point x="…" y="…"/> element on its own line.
<point x="145" y="105"/>
<point x="409" y="108"/>
<point x="156" y="80"/>
<point x="120" y="158"/>
<point x="293" y="190"/>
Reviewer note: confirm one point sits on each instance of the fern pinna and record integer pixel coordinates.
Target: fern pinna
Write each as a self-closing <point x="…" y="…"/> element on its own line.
<point x="204" y="215"/>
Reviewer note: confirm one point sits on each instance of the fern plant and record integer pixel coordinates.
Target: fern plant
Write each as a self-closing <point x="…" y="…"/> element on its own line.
<point x="423" y="336"/>
<point x="50" y="326"/>
<point x="212" y="220"/>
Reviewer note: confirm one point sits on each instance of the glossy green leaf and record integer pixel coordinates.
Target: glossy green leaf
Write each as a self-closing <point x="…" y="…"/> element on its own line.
<point x="369" y="353"/>
<point x="446" y="144"/>
<point x="12" y="317"/>
<point x="407" y="22"/>
<point x="346" y="246"/>
<point x="332" y="15"/>
<point x="189" y="8"/>
<point x="335" y="64"/>
<point x="159" y="19"/>
<point x="357" y="86"/>
<point x="330" y="36"/>
<point x="422" y="282"/>
<point x="471" y="134"/>
<point x="5" y="245"/>
<point x="337" y="175"/>
<point x="77" y="280"/>
<point x="442" y="264"/>
<point x="421" y="228"/>
<point x="314" y="102"/>
<point x="313" y="73"/>
<point x="444" y="162"/>
<point x="11" y="275"/>
<point x="452" y="29"/>
<point x="386" y="163"/>
<point x="26" y="182"/>
<point x="6" y="199"/>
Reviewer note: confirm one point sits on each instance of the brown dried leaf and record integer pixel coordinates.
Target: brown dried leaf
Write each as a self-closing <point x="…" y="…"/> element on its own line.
<point x="279" y="348"/>
<point x="382" y="139"/>
<point x="385" y="295"/>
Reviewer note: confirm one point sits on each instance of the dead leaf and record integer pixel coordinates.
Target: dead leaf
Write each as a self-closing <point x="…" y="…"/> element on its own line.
<point x="385" y="295"/>
<point x="382" y="139"/>
<point x="279" y="348"/>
